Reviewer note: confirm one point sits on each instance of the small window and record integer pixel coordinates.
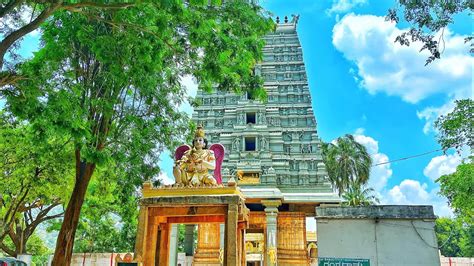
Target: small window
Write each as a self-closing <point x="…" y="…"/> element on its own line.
<point x="250" y="143"/>
<point x="251" y="118"/>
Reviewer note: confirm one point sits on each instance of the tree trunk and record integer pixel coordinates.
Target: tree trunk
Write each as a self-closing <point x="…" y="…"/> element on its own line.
<point x="65" y="241"/>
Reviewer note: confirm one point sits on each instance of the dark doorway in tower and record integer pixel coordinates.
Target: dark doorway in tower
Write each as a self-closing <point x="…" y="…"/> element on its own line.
<point x="251" y="118"/>
<point x="250" y="143"/>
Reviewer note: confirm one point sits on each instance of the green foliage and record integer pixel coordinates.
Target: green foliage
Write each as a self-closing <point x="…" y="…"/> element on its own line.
<point x="458" y="187"/>
<point x="109" y="217"/>
<point x="426" y="18"/>
<point x="108" y="80"/>
<point x="119" y="74"/>
<point x="456" y="129"/>
<point x="455" y="239"/>
<point x="357" y="195"/>
<point x="347" y="162"/>
<point x="38" y="250"/>
<point x="35" y="173"/>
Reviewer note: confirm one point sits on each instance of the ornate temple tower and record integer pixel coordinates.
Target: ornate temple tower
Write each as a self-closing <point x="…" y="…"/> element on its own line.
<point x="272" y="148"/>
<point x="275" y="144"/>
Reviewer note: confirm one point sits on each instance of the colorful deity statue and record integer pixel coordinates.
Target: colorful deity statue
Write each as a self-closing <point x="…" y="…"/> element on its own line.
<point x="193" y="165"/>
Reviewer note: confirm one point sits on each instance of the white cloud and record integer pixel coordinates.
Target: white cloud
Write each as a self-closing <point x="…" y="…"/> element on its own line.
<point x="379" y="174"/>
<point x="409" y="192"/>
<point x="442" y="165"/>
<point x="431" y="114"/>
<point x="359" y="131"/>
<point x="343" y="6"/>
<point x="412" y="192"/>
<point x="384" y="66"/>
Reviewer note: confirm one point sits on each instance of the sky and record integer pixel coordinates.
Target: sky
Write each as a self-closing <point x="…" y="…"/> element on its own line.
<point x="363" y="83"/>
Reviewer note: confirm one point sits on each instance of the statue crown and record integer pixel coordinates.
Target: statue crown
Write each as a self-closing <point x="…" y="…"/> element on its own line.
<point x="199" y="132"/>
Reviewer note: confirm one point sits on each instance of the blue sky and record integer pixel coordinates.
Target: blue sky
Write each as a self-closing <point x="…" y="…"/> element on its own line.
<point x="363" y="83"/>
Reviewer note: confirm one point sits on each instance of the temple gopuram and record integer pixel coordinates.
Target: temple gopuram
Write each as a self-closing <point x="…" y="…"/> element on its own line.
<point x="272" y="175"/>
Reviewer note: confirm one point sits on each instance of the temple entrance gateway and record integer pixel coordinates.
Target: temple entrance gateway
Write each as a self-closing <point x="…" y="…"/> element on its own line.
<point x="208" y="208"/>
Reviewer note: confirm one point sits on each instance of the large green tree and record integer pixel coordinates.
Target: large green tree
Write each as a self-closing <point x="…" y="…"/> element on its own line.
<point x="427" y="18"/>
<point x="455" y="238"/>
<point x="456" y="129"/>
<point x="109" y="217"/>
<point x="35" y="175"/>
<point x="347" y="162"/>
<point x="458" y="187"/>
<point x="110" y="81"/>
<point x="20" y="17"/>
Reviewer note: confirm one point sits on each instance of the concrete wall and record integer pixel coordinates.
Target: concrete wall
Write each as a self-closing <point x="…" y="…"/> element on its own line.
<point x="451" y="261"/>
<point x="93" y="259"/>
<point x="393" y="240"/>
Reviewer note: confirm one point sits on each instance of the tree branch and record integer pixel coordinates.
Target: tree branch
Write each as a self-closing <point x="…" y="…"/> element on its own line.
<point x="14" y="36"/>
<point x="75" y="7"/>
<point x="7" y="249"/>
<point x="9" y="6"/>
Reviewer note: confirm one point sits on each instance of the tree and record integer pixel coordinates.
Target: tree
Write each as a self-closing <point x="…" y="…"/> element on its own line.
<point x="357" y="195"/>
<point x="455" y="239"/>
<point x="33" y="182"/>
<point x="109" y="217"/>
<point x="109" y="80"/>
<point x="36" y="247"/>
<point x="20" y="17"/>
<point x="458" y="187"/>
<point x="456" y="129"/>
<point x="347" y="162"/>
<point x="427" y="18"/>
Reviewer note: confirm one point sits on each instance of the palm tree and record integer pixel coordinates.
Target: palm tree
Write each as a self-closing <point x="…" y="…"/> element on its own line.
<point x="347" y="162"/>
<point x="356" y="195"/>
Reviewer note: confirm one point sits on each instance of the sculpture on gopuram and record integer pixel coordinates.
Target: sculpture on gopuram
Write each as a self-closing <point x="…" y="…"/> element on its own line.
<point x="194" y="165"/>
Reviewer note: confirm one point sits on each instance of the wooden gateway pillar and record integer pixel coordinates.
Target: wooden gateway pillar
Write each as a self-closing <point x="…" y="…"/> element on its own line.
<point x="208" y="245"/>
<point x="292" y="239"/>
<point x="231" y="255"/>
<point x="206" y="206"/>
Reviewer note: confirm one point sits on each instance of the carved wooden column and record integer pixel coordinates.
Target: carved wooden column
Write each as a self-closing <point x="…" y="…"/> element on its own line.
<point x="271" y="212"/>
<point x="151" y="240"/>
<point x="292" y="239"/>
<point x="163" y="248"/>
<point x="141" y="231"/>
<point x="208" y="245"/>
<point x="241" y="243"/>
<point x="230" y="250"/>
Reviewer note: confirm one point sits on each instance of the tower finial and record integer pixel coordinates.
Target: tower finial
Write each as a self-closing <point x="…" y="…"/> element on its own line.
<point x="295" y="18"/>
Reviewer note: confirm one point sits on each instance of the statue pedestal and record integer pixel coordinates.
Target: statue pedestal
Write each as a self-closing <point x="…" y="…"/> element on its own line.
<point x="206" y="206"/>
